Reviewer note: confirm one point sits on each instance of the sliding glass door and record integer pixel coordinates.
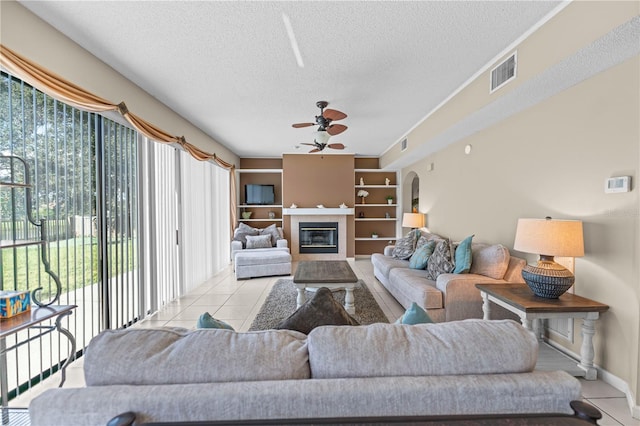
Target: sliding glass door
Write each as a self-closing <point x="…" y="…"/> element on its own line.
<point x="132" y="224"/>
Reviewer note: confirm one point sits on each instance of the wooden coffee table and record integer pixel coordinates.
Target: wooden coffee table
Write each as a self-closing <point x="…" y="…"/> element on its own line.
<point x="332" y="274"/>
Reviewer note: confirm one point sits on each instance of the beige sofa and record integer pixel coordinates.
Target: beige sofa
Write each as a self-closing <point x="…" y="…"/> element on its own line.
<point x="451" y="296"/>
<point x="463" y="367"/>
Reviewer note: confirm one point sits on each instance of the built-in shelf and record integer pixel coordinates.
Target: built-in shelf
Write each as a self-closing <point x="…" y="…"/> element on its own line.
<point x="259" y="170"/>
<point x="260" y="211"/>
<point x="327" y="211"/>
<point x="370" y="214"/>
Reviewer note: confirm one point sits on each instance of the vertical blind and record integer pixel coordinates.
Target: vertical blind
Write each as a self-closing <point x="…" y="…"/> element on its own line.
<point x="119" y="239"/>
<point x="204" y="235"/>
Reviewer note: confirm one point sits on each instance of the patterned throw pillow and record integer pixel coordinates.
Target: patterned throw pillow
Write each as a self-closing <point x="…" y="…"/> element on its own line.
<point x="405" y="247"/>
<point x="420" y="257"/>
<point x="241" y="232"/>
<point x="258" y="241"/>
<point x="441" y="261"/>
<point x="422" y="240"/>
<point x="273" y="232"/>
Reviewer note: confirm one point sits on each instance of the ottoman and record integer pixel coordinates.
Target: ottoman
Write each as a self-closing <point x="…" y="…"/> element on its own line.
<point x="259" y="263"/>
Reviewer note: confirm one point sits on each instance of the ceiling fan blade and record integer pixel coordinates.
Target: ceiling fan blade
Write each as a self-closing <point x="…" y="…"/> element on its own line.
<point x="336" y="129"/>
<point x="304" y="143"/>
<point x="335" y="146"/>
<point x="314" y="150"/>
<point x="298" y="125"/>
<point x="333" y="114"/>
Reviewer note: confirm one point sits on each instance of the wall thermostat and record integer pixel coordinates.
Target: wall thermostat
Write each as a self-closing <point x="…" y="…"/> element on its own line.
<point x="617" y="184"/>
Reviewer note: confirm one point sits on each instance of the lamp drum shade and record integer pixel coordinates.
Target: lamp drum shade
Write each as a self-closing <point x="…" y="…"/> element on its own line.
<point x="550" y="237"/>
<point x="412" y="220"/>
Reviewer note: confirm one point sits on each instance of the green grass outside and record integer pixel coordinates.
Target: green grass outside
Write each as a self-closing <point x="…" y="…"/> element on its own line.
<point x="74" y="261"/>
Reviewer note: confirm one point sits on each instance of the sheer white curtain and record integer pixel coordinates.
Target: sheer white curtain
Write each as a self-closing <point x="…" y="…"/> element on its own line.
<point x="204" y="222"/>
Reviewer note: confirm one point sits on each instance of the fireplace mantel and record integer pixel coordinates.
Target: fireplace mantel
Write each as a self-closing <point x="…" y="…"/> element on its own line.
<point x="318" y="212"/>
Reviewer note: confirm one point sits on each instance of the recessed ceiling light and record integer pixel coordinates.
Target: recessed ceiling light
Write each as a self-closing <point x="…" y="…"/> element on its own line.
<point x="292" y="40"/>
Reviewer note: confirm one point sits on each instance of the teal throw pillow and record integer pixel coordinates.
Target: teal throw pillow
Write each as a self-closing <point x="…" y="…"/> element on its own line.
<point x="463" y="256"/>
<point x="207" y="321"/>
<point x="414" y="315"/>
<point x="420" y="258"/>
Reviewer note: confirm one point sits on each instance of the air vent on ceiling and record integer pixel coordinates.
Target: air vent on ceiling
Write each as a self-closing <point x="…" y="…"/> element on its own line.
<point x="503" y="73"/>
<point x="403" y="144"/>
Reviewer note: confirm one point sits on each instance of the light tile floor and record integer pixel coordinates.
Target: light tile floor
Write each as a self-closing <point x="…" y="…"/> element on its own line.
<point x="238" y="302"/>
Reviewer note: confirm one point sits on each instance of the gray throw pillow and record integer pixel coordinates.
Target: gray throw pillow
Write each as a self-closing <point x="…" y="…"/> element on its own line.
<point x="322" y="309"/>
<point x="441" y="261"/>
<point x="258" y="241"/>
<point x="405" y="246"/>
<point x="271" y="230"/>
<point x="241" y="232"/>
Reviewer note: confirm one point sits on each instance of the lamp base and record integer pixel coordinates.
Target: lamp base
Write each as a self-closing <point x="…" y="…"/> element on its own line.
<point x="548" y="279"/>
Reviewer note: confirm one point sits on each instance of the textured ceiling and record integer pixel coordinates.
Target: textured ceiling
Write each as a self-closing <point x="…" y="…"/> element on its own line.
<point x="228" y="67"/>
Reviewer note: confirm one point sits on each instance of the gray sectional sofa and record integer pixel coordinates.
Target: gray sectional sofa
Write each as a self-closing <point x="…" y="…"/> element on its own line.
<point x="463" y="367"/>
<point x="450" y="296"/>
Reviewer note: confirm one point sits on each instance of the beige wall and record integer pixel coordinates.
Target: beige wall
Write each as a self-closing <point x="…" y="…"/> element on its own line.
<point x="327" y="179"/>
<point x="28" y="35"/>
<point x="552" y="159"/>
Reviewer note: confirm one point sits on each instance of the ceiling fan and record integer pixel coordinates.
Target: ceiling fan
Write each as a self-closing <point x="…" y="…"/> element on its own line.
<point x="325" y="128"/>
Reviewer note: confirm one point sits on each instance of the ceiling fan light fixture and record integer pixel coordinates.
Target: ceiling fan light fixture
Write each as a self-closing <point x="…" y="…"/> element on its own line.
<point x="321" y="136"/>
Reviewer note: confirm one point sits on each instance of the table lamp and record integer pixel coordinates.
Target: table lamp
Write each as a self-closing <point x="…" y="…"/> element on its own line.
<point x="548" y="238"/>
<point x="412" y="220"/>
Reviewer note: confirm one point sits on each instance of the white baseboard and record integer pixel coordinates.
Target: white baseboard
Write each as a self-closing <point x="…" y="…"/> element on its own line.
<point x="608" y="378"/>
<point x="623" y="387"/>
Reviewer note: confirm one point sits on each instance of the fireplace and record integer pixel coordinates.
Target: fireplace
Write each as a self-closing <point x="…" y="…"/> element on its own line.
<point x="318" y="237"/>
<point x="322" y="215"/>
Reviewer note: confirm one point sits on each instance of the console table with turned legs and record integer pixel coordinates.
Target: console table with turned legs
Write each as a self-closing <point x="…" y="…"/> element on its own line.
<point x="519" y="299"/>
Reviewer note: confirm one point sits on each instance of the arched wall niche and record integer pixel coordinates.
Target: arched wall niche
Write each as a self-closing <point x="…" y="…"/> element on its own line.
<point x="410" y="193"/>
<point x="415" y="194"/>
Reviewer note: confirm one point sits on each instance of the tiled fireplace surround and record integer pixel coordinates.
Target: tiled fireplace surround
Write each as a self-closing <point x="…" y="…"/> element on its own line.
<point x="299" y="215"/>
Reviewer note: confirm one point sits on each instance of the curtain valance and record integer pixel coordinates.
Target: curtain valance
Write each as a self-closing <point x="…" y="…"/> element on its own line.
<point x="71" y="94"/>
